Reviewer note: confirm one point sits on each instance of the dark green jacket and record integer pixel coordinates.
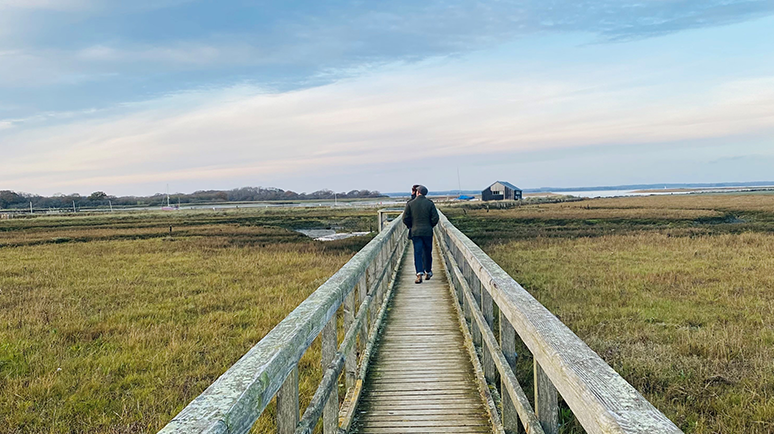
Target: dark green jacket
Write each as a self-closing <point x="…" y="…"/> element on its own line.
<point x="420" y="216"/>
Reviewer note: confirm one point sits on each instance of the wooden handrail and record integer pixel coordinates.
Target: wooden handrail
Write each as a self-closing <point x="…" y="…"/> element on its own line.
<point x="510" y="383"/>
<point x="602" y="401"/>
<point x="237" y="398"/>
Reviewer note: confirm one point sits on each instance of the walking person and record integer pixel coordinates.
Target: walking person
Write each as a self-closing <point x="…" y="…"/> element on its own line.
<point x="414" y="192"/>
<point x="420" y="216"/>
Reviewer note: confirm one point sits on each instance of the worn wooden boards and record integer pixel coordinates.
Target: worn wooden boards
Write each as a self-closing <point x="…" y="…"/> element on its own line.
<point x="421" y="379"/>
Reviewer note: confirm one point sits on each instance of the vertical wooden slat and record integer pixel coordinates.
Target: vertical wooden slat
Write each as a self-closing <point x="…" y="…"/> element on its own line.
<point x="370" y="288"/>
<point x="287" y="404"/>
<point x="508" y="346"/>
<point x="362" y="292"/>
<point x="476" y="289"/>
<point x="380" y="287"/>
<point x="331" y="410"/>
<point x="487" y="308"/>
<point x="474" y="331"/>
<point x="350" y="366"/>
<point x="546" y="402"/>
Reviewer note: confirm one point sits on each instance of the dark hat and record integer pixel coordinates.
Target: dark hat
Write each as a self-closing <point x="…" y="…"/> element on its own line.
<point x="422" y="190"/>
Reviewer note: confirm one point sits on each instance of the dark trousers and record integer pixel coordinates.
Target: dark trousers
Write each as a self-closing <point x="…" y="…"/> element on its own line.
<point x="423" y="254"/>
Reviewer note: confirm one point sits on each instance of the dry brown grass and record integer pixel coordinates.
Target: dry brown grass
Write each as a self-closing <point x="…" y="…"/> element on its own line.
<point x="577" y="210"/>
<point x="719" y="202"/>
<point x="688" y="321"/>
<point x="681" y="303"/>
<point x="118" y="335"/>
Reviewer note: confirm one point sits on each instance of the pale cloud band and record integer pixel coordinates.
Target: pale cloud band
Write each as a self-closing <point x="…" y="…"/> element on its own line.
<point x="402" y="114"/>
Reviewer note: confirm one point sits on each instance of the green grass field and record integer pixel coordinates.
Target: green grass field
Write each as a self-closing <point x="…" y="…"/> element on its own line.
<point x="676" y="293"/>
<point x="110" y="325"/>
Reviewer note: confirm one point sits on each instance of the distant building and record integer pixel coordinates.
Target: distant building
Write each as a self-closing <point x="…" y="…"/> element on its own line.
<point x="501" y="190"/>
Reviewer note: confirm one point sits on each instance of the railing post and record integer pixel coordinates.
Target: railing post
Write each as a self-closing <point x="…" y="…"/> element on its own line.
<point x="287" y="404"/>
<point x="370" y="289"/>
<point x="331" y="410"/>
<point x="487" y="308"/>
<point x="466" y="273"/>
<point x="379" y="288"/>
<point x="362" y="290"/>
<point x="546" y="401"/>
<point x="508" y="346"/>
<point x="349" y="319"/>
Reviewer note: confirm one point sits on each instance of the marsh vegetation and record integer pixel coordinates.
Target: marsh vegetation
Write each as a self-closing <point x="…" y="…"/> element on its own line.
<point x="675" y="292"/>
<point x="110" y="324"/>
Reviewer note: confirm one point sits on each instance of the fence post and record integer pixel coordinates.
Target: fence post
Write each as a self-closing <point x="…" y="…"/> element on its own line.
<point x="487" y="308"/>
<point x="546" y="401"/>
<point x="467" y="273"/>
<point x="508" y="346"/>
<point x="331" y="410"/>
<point x="371" y="289"/>
<point x="287" y="404"/>
<point x="349" y="320"/>
<point x="362" y="289"/>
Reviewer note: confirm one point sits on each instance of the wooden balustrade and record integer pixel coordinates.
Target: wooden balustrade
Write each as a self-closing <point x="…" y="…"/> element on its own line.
<point x="237" y="398"/>
<point x="600" y="399"/>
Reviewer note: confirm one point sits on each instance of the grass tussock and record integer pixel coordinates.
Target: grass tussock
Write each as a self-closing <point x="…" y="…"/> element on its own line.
<point x="117" y="332"/>
<point x="681" y="306"/>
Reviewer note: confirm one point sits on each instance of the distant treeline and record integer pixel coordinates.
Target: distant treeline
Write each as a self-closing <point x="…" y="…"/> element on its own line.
<point x="14" y="200"/>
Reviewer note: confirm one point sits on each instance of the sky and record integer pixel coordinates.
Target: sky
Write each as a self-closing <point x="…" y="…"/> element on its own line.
<point x="129" y="97"/>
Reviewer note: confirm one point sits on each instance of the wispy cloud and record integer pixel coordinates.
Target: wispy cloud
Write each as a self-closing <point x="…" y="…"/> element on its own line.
<point x="405" y="114"/>
<point x="56" y="5"/>
<point x="322" y="36"/>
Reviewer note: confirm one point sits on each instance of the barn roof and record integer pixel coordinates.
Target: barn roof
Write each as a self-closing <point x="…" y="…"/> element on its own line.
<point x="507" y="184"/>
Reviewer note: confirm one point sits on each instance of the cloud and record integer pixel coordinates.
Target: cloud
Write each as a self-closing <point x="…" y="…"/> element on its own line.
<point x="318" y="36"/>
<point x="399" y="115"/>
<point x="56" y="5"/>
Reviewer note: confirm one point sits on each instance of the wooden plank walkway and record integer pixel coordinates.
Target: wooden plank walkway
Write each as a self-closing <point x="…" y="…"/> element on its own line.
<point x="421" y="379"/>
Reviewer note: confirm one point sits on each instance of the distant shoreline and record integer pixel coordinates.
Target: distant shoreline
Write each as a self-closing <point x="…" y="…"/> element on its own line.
<point x="654" y="188"/>
<point x="707" y="190"/>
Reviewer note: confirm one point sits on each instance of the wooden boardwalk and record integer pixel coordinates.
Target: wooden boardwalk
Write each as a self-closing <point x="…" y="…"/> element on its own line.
<point x="421" y="379"/>
<point x="422" y="374"/>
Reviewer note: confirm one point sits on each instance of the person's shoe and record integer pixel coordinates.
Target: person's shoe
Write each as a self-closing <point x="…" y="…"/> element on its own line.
<point x="428" y="275"/>
<point x="419" y="278"/>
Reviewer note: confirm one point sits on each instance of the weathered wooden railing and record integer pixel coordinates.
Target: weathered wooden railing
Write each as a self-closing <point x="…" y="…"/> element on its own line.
<point x="600" y="399"/>
<point x="384" y="214"/>
<point x="234" y="401"/>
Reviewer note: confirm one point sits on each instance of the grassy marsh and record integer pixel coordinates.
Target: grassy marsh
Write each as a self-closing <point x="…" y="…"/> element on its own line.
<point x="675" y="292"/>
<point x="116" y="328"/>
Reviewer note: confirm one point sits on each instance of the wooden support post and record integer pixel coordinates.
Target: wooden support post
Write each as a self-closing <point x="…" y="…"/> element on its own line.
<point x="466" y="310"/>
<point x="331" y="410"/>
<point x="475" y="285"/>
<point x="546" y="402"/>
<point x="362" y="292"/>
<point x="508" y="346"/>
<point x="287" y="404"/>
<point x="371" y="288"/>
<point x="474" y="331"/>
<point x="487" y="308"/>
<point x="382" y="264"/>
<point x="349" y="319"/>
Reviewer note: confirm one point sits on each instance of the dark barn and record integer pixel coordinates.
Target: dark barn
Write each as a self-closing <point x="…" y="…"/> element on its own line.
<point x="501" y="190"/>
